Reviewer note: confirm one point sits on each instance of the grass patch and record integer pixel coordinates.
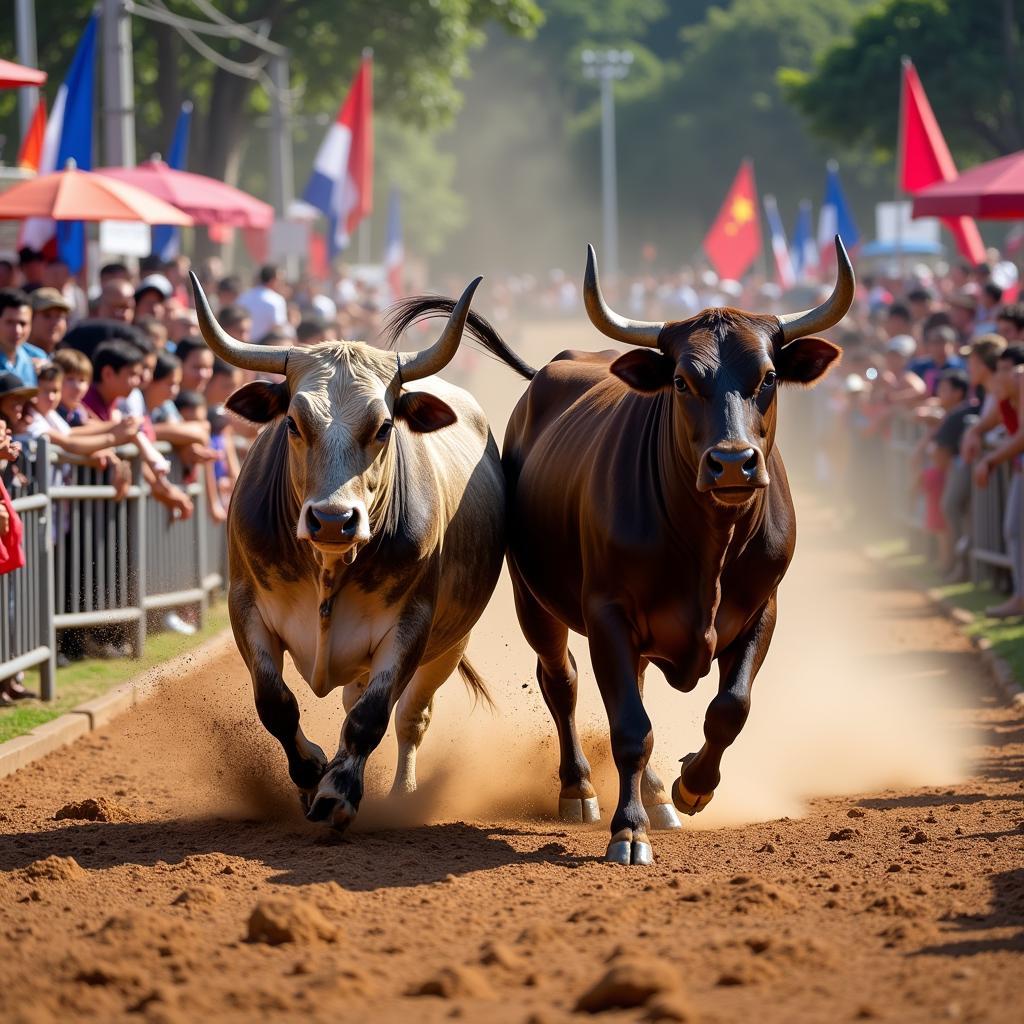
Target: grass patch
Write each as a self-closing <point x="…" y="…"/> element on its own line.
<point x="83" y="680"/>
<point x="1005" y="635"/>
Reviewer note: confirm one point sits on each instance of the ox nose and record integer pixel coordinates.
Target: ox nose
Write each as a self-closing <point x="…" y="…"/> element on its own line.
<point x="732" y="467"/>
<point x="332" y="527"/>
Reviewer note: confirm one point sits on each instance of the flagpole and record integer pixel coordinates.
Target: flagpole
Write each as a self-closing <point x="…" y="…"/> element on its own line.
<point x="364" y="225"/>
<point x="897" y="184"/>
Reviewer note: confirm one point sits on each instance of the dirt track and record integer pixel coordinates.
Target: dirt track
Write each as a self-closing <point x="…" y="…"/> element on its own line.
<point x="781" y="903"/>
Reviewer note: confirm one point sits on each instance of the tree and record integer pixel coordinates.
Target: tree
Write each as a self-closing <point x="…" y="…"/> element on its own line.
<point x="421" y="53"/>
<point x="968" y="55"/>
<point x="702" y="94"/>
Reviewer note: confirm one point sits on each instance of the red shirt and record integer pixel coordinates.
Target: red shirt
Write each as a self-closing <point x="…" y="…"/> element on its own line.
<point x="95" y="403"/>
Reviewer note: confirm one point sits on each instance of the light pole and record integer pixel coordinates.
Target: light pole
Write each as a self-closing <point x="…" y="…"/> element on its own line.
<point x="607" y="66"/>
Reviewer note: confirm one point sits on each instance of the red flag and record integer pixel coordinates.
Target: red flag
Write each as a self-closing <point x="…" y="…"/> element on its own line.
<point x="341" y="183"/>
<point x="31" y="153"/>
<point x="926" y="158"/>
<point x="734" y="240"/>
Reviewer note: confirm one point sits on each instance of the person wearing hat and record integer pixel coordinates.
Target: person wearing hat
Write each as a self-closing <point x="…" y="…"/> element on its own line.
<point x="49" y="319"/>
<point x="153" y="291"/>
<point x="14" y="395"/>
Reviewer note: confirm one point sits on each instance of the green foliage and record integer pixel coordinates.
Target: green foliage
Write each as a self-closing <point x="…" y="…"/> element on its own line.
<point x="968" y="55"/>
<point x="703" y="93"/>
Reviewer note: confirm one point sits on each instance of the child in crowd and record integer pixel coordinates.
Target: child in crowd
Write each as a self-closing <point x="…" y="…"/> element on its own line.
<point x="192" y="408"/>
<point x="226" y="378"/>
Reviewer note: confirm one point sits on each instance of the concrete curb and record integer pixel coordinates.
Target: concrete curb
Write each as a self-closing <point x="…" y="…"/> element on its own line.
<point x="101" y="711"/>
<point x="998" y="668"/>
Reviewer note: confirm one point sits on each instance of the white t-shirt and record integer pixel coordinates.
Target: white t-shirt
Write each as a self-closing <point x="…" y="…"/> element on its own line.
<point x="266" y="307"/>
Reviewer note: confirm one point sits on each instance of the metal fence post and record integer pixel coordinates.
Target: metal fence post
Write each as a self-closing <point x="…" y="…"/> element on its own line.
<point x="47" y="521"/>
<point x="137" y="553"/>
<point x="202" y="540"/>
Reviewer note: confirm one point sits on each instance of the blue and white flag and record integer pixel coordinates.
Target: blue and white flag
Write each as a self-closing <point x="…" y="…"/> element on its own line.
<point x="69" y="136"/>
<point x="805" y="248"/>
<point x="785" y="276"/>
<point x="166" y="240"/>
<point x="835" y="218"/>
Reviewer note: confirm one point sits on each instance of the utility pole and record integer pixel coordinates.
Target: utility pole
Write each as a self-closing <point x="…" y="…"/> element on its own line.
<point x="25" y="30"/>
<point x="118" y="86"/>
<point x="282" y="171"/>
<point x="608" y="66"/>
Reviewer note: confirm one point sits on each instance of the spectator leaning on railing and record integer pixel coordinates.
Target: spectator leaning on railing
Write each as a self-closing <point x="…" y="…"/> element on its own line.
<point x="12" y="557"/>
<point x="1008" y="385"/>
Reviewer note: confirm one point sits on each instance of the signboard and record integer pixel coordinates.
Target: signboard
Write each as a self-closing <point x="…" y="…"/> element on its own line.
<point x="124" y="238"/>
<point x="894" y="224"/>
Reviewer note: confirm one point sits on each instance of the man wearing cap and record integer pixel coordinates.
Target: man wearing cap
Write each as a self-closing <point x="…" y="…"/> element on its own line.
<point x="153" y="291"/>
<point x="16" y="356"/>
<point x="49" y="319"/>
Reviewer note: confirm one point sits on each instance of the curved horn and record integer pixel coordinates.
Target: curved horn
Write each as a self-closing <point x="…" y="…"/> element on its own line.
<point x="632" y="332"/>
<point x="831" y="311"/>
<point x="415" y="365"/>
<point x="262" y="358"/>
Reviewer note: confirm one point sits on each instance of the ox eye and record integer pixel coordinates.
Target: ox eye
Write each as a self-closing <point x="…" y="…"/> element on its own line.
<point x="770" y="380"/>
<point x="385" y="431"/>
<point x="681" y="386"/>
<point x="293" y="427"/>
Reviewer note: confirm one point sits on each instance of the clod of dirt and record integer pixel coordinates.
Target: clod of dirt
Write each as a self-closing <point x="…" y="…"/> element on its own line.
<point x="842" y="834"/>
<point x="756" y="894"/>
<point x="497" y="954"/>
<point x="855" y="812"/>
<point x="282" y="919"/>
<point x="919" y="837"/>
<point x="99" y="809"/>
<point x="629" y="982"/>
<point x="670" y="1007"/>
<point x="456" y="983"/>
<point x="198" y="896"/>
<point x="56" y="869"/>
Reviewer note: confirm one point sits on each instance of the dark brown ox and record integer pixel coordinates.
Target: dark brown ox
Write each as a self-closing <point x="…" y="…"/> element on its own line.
<point x="649" y="510"/>
<point x="365" y="537"/>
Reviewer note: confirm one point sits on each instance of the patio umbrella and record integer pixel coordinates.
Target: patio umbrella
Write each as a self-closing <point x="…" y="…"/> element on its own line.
<point x="992" y="191"/>
<point x="84" y="195"/>
<point x="13" y="76"/>
<point x="206" y="200"/>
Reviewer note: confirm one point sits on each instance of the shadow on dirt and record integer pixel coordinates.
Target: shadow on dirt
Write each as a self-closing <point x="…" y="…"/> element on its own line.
<point x="365" y="862"/>
<point x="1006" y="911"/>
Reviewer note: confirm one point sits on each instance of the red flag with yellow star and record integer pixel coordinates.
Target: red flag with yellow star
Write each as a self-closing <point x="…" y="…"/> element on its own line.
<point x="734" y="241"/>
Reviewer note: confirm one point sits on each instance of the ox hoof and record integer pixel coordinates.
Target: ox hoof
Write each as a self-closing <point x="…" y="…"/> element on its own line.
<point x="331" y="810"/>
<point x="687" y="802"/>
<point x="663" y="817"/>
<point x="584" y="810"/>
<point x="629" y="848"/>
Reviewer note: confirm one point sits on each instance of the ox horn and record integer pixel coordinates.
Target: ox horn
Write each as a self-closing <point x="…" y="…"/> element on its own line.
<point x="831" y="311"/>
<point x="416" y="365"/>
<point x="262" y="358"/>
<point x="632" y="332"/>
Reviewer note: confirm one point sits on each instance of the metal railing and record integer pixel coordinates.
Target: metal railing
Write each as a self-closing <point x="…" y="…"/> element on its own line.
<point x="987" y="549"/>
<point x="96" y="557"/>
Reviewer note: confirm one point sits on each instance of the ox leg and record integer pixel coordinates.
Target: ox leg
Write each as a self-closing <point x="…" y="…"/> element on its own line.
<point x="737" y="665"/>
<point x="413" y="713"/>
<point x="616" y="665"/>
<point x="396" y="660"/>
<point x="556" y="674"/>
<point x="656" y="800"/>
<point x="275" y="703"/>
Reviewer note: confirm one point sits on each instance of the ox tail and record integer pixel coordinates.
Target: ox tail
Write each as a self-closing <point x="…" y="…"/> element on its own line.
<point x="474" y="682"/>
<point x="417" y="308"/>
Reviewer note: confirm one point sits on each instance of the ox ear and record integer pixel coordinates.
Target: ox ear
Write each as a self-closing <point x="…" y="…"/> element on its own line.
<point x="424" y="412"/>
<point x="260" y="401"/>
<point x="806" y="360"/>
<point x="644" y="369"/>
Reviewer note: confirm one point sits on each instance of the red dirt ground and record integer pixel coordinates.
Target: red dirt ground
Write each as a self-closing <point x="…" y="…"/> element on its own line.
<point x="862" y="860"/>
<point x="205" y="894"/>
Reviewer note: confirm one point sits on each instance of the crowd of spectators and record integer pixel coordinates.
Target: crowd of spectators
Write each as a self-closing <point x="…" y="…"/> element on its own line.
<point x="127" y="366"/>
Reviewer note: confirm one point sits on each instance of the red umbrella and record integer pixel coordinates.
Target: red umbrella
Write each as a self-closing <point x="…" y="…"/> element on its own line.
<point x="12" y="75"/>
<point x="84" y="195"/>
<point x="992" y="191"/>
<point x="206" y="200"/>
